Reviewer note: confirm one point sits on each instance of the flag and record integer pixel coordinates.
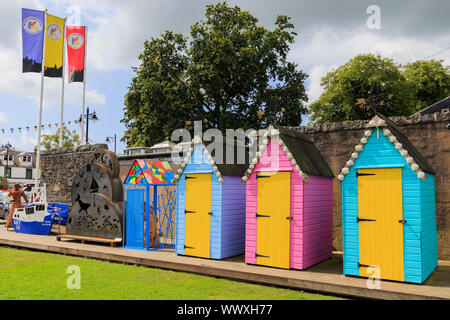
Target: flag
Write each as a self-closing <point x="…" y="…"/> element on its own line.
<point x="76" y="47"/>
<point x="12" y="130"/>
<point x="28" y="129"/>
<point x="35" y="127"/>
<point x="32" y="40"/>
<point x="54" y="43"/>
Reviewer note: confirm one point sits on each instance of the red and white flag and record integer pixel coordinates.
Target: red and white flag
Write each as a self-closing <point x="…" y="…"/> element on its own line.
<point x="76" y="49"/>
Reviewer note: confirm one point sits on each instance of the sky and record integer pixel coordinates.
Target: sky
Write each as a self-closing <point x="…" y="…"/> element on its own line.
<point x="329" y="34"/>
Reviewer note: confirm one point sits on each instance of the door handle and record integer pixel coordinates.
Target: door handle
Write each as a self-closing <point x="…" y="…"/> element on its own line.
<point x="402" y="221"/>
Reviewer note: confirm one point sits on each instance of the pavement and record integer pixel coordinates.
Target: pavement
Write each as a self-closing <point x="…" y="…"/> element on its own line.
<point x="325" y="277"/>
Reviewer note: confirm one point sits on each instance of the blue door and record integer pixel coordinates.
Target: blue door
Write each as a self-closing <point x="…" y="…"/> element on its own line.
<point x="135" y="219"/>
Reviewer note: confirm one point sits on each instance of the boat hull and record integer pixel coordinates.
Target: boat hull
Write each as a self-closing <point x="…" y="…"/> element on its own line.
<point x="38" y="223"/>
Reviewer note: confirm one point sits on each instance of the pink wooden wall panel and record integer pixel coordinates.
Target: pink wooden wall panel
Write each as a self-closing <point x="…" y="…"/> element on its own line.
<point x="311" y="209"/>
<point x="280" y="163"/>
<point x="318" y="220"/>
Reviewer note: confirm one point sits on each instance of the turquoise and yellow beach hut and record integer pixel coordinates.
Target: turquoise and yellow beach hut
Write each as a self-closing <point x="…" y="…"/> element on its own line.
<point x="388" y="207"/>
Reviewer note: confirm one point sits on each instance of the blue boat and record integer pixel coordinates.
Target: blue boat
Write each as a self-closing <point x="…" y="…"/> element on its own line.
<point x="37" y="217"/>
<point x="34" y="219"/>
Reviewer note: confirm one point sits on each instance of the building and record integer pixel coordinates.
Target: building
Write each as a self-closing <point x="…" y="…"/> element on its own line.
<point x="18" y="166"/>
<point x="440" y="106"/>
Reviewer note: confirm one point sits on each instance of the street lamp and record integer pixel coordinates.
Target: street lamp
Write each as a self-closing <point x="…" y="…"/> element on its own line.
<point x="108" y="140"/>
<point x="89" y="116"/>
<point x="7" y="146"/>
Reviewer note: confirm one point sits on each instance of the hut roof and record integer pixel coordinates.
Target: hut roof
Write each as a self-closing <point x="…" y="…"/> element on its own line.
<point x="418" y="163"/>
<point x="218" y="159"/>
<point x="302" y="152"/>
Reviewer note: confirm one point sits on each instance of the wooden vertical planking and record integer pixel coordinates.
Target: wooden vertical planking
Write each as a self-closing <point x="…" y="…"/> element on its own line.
<point x="273" y="159"/>
<point x="381" y="240"/>
<point x="273" y="224"/>
<point x="317" y="220"/>
<point x="198" y="219"/>
<point x="233" y="217"/>
<point x="418" y="203"/>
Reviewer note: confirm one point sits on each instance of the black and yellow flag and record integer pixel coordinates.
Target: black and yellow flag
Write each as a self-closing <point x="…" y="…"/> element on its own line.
<point x="54" y="44"/>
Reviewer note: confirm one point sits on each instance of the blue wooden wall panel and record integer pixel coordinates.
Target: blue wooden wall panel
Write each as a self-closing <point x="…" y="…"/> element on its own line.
<point x="233" y="217"/>
<point x="198" y="163"/>
<point x="216" y="209"/>
<point x="379" y="152"/>
<point x="429" y="230"/>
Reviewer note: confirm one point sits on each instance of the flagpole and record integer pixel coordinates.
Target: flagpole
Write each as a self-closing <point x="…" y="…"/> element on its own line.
<point x="38" y="151"/>
<point x="62" y="90"/>
<point x="84" y="83"/>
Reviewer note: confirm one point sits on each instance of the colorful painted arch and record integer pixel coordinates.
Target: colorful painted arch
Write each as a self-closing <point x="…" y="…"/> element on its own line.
<point x="145" y="172"/>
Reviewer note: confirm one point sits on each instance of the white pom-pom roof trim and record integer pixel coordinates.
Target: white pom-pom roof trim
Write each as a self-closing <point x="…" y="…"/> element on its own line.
<point x="267" y="137"/>
<point x="378" y="122"/>
<point x="209" y="157"/>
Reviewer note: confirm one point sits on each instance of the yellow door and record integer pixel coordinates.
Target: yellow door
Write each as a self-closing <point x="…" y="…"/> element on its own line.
<point x="198" y="219"/>
<point x="380" y="223"/>
<point x="273" y="219"/>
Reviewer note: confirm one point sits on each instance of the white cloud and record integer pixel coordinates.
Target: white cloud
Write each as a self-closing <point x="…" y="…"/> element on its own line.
<point x="324" y="50"/>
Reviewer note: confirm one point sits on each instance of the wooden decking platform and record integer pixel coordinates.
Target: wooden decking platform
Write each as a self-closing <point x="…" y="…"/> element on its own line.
<point x="83" y="239"/>
<point x="325" y="277"/>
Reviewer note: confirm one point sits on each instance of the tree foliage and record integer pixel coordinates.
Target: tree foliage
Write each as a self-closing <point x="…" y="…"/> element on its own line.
<point x="348" y="91"/>
<point x="230" y="73"/>
<point x="353" y="82"/>
<point x="70" y="139"/>
<point x="430" y="81"/>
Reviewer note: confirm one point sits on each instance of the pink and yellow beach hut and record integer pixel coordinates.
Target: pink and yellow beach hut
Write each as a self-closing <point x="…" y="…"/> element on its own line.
<point x="289" y="202"/>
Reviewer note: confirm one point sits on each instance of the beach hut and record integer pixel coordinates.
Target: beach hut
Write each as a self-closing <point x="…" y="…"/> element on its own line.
<point x="388" y="207"/>
<point x="149" y="205"/>
<point x="289" y="209"/>
<point x="210" y="210"/>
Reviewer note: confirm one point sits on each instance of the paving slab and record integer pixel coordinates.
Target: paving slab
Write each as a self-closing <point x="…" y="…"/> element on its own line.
<point x="325" y="277"/>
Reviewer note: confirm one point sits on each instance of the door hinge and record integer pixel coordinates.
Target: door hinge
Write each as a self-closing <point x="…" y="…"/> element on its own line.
<point x="187" y="247"/>
<point x="260" y="256"/>
<point x="262" y="177"/>
<point x="402" y="221"/>
<point x="290" y="218"/>
<point x="187" y="211"/>
<point x="364" y="174"/>
<point x="262" y="216"/>
<point x="358" y="219"/>
<point x="210" y="213"/>
<point x="363" y="265"/>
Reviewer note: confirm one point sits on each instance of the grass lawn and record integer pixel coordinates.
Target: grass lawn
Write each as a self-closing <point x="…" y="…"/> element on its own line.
<point x="34" y="275"/>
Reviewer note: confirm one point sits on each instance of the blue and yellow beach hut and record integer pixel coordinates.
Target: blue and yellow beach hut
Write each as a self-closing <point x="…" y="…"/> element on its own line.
<point x="210" y="221"/>
<point x="388" y="207"/>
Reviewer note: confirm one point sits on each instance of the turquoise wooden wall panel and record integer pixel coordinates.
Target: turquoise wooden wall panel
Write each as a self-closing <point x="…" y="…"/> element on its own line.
<point x="379" y="152"/>
<point x="429" y="230"/>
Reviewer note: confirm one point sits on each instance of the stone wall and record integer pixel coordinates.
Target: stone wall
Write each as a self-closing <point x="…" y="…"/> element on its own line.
<point x="59" y="167"/>
<point x="430" y="136"/>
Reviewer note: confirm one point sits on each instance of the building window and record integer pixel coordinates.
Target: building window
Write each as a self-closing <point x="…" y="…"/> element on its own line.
<point x="8" y="172"/>
<point x="29" y="174"/>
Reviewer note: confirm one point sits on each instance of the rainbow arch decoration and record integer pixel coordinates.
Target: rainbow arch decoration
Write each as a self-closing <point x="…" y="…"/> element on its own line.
<point x="146" y="172"/>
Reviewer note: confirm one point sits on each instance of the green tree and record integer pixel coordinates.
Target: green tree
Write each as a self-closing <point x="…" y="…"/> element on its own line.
<point x="347" y="89"/>
<point x="430" y="80"/>
<point x="4" y="183"/>
<point x="70" y="139"/>
<point x="230" y="73"/>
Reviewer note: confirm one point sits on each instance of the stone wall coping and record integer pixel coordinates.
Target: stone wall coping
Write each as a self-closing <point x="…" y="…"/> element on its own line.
<point x="361" y="124"/>
<point x="79" y="149"/>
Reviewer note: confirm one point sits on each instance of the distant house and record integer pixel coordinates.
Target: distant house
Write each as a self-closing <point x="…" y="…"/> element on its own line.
<point x="440" y="106"/>
<point x="18" y="166"/>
